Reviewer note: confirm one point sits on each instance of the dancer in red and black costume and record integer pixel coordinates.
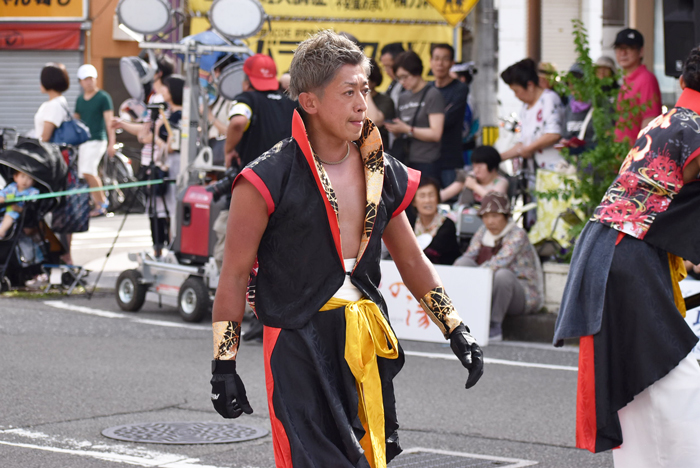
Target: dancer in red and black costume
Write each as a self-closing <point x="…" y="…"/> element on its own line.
<point x="638" y="387"/>
<point x="308" y="217"/>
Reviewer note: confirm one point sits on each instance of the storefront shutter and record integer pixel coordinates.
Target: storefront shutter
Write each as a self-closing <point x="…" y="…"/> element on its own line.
<point x="20" y="96"/>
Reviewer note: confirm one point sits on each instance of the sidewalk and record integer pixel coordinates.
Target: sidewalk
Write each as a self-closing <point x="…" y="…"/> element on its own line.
<point x="90" y="249"/>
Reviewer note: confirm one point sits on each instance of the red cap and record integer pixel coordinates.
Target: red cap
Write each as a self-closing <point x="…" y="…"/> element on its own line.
<point x="262" y="72"/>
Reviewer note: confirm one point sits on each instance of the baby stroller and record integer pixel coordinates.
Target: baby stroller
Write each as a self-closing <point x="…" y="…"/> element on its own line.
<point x="30" y="243"/>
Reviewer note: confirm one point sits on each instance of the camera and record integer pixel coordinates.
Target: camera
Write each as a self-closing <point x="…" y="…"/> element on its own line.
<point x="223" y="185"/>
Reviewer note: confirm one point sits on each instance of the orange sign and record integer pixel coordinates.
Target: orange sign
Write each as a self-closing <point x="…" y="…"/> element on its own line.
<point x="43" y="10"/>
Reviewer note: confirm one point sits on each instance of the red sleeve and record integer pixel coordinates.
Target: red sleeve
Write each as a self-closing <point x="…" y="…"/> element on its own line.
<point x="413" y="180"/>
<point x="258" y="183"/>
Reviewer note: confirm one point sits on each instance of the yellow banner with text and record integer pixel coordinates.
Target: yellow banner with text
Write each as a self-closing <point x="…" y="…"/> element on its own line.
<point x="375" y="10"/>
<point x="281" y="41"/>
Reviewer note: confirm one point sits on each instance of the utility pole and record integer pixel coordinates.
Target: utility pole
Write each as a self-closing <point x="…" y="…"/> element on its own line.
<point x="486" y="79"/>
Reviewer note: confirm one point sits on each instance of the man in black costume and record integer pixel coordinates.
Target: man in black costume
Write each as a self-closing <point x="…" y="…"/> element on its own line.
<point x="304" y="240"/>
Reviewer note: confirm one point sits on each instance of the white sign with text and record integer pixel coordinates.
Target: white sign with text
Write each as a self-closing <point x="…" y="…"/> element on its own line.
<point x="470" y="291"/>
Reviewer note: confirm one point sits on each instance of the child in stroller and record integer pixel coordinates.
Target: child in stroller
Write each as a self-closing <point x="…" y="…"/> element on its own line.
<point x="28" y="243"/>
<point x="21" y="187"/>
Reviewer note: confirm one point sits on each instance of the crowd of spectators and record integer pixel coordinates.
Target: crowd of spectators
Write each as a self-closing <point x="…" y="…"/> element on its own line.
<point x="548" y="123"/>
<point x="423" y="123"/>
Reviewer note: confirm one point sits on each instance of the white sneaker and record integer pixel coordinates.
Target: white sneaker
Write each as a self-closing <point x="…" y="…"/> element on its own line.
<point x="37" y="282"/>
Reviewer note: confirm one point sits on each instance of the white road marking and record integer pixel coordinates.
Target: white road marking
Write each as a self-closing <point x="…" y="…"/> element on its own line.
<point x="112" y="233"/>
<point x="531" y="345"/>
<point x="120" y="244"/>
<point x="84" y="310"/>
<point x="451" y="357"/>
<point x="108" y="452"/>
<point x="164" y="323"/>
<point x="516" y="462"/>
<point x="129" y="317"/>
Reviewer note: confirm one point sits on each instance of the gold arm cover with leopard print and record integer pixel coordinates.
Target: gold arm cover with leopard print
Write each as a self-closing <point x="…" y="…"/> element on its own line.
<point x="227" y="337"/>
<point x="438" y="305"/>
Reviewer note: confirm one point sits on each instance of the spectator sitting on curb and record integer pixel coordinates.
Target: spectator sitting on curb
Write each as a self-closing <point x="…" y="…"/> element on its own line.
<point x="504" y="247"/>
<point x="436" y="233"/>
<point x="483" y="179"/>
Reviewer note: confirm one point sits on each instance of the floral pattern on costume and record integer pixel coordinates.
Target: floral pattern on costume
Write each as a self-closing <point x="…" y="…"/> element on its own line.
<point x="651" y="174"/>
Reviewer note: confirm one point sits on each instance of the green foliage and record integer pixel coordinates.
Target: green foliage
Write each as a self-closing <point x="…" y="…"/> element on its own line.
<point x="597" y="166"/>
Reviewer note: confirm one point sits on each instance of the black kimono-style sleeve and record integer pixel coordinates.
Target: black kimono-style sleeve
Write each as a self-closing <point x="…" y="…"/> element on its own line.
<point x="400" y="185"/>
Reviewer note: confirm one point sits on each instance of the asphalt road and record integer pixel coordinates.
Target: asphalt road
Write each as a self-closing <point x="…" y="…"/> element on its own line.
<point x="73" y="367"/>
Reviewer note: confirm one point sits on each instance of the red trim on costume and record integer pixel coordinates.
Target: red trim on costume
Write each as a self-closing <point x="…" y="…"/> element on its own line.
<point x="586" y="429"/>
<point x="620" y="235"/>
<point x="302" y="139"/>
<point x="280" y="441"/>
<point x="258" y="183"/>
<point x="692" y="156"/>
<point x="690" y="99"/>
<point x="413" y="181"/>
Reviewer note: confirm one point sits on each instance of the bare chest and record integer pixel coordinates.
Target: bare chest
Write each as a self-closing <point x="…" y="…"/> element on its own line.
<point x="349" y="187"/>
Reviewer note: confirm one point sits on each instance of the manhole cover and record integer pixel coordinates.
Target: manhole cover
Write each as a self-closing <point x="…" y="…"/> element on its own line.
<point x="184" y="433"/>
<point x="427" y="458"/>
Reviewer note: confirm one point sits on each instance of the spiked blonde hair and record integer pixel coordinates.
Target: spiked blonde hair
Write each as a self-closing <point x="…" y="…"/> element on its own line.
<point x="317" y="60"/>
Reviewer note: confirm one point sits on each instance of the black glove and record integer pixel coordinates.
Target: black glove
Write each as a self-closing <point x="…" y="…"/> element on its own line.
<point x="468" y="352"/>
<point x="227" y="390"/>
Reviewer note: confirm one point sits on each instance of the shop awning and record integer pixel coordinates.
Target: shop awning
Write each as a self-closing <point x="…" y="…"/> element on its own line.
<point x="39" y="36"/>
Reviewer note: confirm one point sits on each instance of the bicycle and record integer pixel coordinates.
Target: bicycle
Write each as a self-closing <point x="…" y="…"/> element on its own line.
<point x="117" y="170"/>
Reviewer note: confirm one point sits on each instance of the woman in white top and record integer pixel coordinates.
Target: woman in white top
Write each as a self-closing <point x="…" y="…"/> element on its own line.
<point x="52" y="113"/>
<point x="540" y="119"/>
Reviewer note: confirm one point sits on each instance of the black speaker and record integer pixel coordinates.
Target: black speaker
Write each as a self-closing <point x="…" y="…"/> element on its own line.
<point x="681" y="33"/>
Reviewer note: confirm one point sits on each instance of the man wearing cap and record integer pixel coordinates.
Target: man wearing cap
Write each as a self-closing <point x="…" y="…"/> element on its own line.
<point x="640" y="85"/>
<point x="260" y="116"/>
<point x="94" y="107"/>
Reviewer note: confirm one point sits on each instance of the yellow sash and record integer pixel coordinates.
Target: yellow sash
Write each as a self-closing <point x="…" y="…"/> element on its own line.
<point x="678" y="273"/>
<point x="368" y="335"/>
